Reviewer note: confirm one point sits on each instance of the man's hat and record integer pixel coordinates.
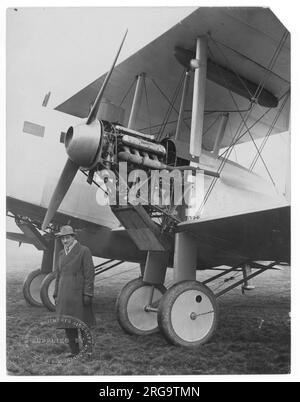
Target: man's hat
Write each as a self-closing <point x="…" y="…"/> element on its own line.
<point x="65" y="231"/>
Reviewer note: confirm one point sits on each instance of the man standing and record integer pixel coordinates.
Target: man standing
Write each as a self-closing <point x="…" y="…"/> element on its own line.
<point x="74" y="287"/>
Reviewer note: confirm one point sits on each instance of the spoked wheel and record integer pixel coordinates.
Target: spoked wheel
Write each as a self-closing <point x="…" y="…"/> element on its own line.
<point x="32" y="288"/>
<point x="47" y="291"/>
<point x="134" y="306"/>
<point x="188" y="314"/>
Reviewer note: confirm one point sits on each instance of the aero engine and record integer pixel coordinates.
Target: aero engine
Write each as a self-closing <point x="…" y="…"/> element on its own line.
<point x="97" y="144"/>
<point x="102" y="145"/>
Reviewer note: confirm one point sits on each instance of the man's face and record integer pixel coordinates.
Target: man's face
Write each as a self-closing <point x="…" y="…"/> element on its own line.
<point x="67" y="240"/>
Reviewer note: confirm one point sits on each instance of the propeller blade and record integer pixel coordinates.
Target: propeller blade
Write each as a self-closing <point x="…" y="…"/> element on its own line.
<point x="94" y="110"/>
<point x="60" y="191"/>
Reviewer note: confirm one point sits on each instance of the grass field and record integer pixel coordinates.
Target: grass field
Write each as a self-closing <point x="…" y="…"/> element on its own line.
<point x="253" y="336"/>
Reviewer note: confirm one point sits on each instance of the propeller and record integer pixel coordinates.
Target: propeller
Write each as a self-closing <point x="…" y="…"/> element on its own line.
<point x="63" y="185"/>
<point x="71" y="167"/>
<point x="94" y="110"/>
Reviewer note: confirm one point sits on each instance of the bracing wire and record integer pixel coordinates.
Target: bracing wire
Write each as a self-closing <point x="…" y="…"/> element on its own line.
<point x="222" y="164"/>
<point x="233" y="69"/>
<point x="170" y="102"/>
<point x="253" y="163"/>
<point x="211" y="125"/>
<point x="245" y="132"/>
<point x="244" y="120"/>
<point x="127" y="92"/>
<point x="171" y="105"/>
<point x="271" y="65"/>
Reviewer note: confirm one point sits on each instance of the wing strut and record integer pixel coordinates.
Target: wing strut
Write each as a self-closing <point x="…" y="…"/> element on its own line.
<point x="200" y="66"/>
<point x="137" y="99"/>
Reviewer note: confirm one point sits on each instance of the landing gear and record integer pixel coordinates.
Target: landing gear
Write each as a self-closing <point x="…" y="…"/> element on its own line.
<point x="32" y="287"/>
<point x="137" y="307"/>
<point x="38" y="286"/>
<point x="188" y="314"/>
<point x="47" y="291"/>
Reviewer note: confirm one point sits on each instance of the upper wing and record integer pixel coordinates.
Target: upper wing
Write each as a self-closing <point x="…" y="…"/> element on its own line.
<point x="244" y="41"/>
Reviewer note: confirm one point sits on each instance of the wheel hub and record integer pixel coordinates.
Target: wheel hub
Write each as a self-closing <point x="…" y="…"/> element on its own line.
<point x="149" y="309"/>
<point x="193" y="316"/>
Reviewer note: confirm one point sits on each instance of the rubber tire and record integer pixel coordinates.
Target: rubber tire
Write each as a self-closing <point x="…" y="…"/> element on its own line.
<point x="26" y="288"/>
<point x="121" y="307"/>
<point x="45" y="291"/>
<point x="165" y="310"/>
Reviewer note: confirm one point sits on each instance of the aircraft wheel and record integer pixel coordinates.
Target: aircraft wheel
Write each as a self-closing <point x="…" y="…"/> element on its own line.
<point x="47" y="291"/>
<point x="32" y="288"/>
<point x="188" y="313"/>
<point x="132" y="304"/>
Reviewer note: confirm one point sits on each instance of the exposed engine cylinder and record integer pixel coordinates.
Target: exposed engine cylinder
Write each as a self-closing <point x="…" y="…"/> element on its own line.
<point x="140" y="143"/>
<point x="141" y="152"/>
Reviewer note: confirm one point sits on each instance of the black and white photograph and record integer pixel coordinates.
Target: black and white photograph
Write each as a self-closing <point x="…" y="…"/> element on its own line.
<point x="148" y="192"/>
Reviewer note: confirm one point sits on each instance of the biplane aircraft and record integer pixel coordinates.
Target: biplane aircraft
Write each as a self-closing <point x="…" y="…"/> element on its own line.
<point x="218" y="78"/>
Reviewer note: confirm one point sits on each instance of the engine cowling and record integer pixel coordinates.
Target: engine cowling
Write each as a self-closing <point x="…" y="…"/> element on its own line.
<point x="83" y="144"/>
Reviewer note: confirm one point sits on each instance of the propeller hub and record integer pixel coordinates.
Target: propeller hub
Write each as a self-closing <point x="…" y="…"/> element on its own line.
<point x="83" y="143"/>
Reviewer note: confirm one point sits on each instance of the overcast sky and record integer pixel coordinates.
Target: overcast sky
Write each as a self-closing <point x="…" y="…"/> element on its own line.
<point x="64" y="49"/>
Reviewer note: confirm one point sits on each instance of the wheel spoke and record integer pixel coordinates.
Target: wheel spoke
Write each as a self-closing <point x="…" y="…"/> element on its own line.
<point x="208" y="312"/>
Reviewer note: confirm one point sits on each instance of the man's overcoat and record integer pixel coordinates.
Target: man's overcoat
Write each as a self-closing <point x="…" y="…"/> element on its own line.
<point x="74" y="279"/>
